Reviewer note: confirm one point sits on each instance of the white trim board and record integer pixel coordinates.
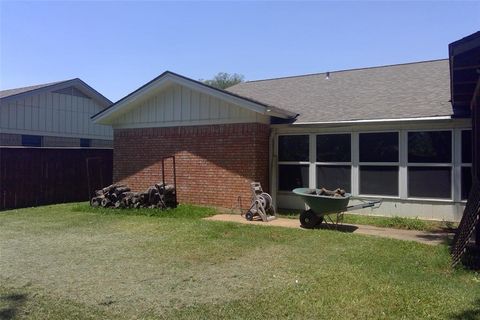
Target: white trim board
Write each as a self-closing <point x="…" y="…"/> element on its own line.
<point x="373" y="120"/>
<point x="55" y="134"/>
<point x="283" y="129"/>
<point x="183" y="123"/>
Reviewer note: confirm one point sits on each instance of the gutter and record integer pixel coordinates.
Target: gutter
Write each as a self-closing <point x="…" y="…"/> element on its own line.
<point x="372" y="121"/>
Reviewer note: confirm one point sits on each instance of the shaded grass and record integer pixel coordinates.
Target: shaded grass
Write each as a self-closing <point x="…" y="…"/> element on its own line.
<point x="388" y="222"/>
<point x="181" y="212"/>
<point x="70" y="262"/>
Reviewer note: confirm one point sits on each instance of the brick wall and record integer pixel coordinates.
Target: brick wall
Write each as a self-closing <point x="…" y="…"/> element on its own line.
<point x="215" y="163"/>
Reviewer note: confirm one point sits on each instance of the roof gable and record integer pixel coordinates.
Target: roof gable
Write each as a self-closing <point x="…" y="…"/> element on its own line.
<point x="137" y="97"/>
<point x="74" y="87"/>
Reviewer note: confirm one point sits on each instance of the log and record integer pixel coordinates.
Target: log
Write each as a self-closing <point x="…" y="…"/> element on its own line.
<point x="332" y="193"/>
<point x="120" y="196"/>
<point x="96" y="201"/>
<point x="120" y="190"/>
<point x="106" y="202"/>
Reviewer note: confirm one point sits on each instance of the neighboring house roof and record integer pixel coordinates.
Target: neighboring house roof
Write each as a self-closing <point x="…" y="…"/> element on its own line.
<point x="167" y="78"/>
<point x="12" y="92"/>
<point x="411" y="90"/>
<point x="77" y="83"/>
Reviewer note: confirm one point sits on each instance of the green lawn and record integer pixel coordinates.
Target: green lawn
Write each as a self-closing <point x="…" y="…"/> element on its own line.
<point x="73" y="262"/>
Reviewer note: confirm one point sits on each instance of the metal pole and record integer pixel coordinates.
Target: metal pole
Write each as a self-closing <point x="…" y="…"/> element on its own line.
<point x="175" y="179"/>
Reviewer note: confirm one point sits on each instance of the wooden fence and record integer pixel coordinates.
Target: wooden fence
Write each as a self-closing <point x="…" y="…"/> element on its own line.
<point x="38" y="176"/>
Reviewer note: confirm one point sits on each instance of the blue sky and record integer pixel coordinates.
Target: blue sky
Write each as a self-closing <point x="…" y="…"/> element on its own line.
<point x="118" y="46"/>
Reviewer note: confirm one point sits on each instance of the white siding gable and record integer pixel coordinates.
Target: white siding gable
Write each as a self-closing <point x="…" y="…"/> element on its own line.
<point x="177" y="105"/>
<point x="52" y="114"/>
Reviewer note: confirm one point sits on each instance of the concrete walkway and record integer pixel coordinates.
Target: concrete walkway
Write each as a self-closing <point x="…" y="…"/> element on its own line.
<point x="430" y="238"/>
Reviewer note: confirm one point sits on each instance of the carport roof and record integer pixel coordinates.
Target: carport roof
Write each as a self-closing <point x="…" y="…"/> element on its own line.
<point x="411" y="90"/>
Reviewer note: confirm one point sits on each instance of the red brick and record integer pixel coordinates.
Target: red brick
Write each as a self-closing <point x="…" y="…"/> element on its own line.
<point x="215" y="163"/>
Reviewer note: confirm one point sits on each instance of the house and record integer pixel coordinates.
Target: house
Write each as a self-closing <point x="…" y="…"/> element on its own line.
<point x="50" y="151"/>
<point x="53" y="115"/>
<point x="464" y="56"/>
<point x="385" y="132"/>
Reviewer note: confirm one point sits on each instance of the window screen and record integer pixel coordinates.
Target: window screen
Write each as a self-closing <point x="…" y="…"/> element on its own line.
<point x="31" y="141"/>
<point x="466" y="182"/>
<point x="332" y="177"/>
<point x="379" y="180"/>
<point x="85" y="143"/>
<point x="292" y="176"/>
<point x="333" y="148"/>
<point x="378" y="147"/>
<point x="430" y="147"/>
<point x="467" y="146"/>
<point x="430" y="182"/>
<point x="293" y="148"/>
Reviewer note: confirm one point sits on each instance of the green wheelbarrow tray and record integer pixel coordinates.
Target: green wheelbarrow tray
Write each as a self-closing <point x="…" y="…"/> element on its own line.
<point x="322" y="206"/>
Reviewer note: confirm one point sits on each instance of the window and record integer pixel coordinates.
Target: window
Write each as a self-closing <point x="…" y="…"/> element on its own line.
<point x="379" y="163"/>
<point x="430" y="147"/>
<point x="466" y="164"/>
<point x="429" y="171"/>
<point x="379" y="180"/>
<point x="293" y="156"/>
<point x="332" y="177"/>
<point x="334" y="161"/>
<point x="333" y="148"/>
<point x="85" y="143"/>
<point x="430" y="182"/>
<point x="293" y="148"/>
<point x="292" y="176"/>
<point x="428" y="164"/>
<point x="31" y="141"/>
<point x="466" y="182"/>
<point x="379" y="147"/>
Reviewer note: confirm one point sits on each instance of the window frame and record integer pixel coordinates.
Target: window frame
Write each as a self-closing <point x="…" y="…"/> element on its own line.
<point x="378" y="164"/>
<point x="335" y="163"/>
<point x="293" y="163"/>
<point x="462" y="164"/>
<point x="402" y="129"/>
<point x="450" y="165"/>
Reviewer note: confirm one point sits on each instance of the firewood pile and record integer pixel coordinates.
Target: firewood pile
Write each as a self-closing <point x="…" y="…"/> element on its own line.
<point x="120" y="196"/>
<point x="330" y="193"/>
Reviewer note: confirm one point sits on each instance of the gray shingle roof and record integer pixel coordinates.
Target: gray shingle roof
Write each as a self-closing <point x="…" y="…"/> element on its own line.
<point x="12" y="92"/>
<point x="420" y="89"/>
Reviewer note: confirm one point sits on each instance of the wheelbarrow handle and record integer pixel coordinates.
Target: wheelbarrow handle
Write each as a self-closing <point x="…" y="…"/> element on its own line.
<point x="366" y="204"/>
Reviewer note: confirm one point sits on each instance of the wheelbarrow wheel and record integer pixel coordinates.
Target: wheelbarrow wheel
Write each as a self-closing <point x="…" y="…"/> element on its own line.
<point x="308" y="219"/>
<point x="249" y="215"/>
<point x="320" y="220"/>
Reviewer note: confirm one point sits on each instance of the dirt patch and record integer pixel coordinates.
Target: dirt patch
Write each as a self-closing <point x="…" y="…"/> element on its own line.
<point x="127" y="264"/>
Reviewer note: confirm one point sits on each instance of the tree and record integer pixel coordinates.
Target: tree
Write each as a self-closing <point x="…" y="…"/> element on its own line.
<point x="224" y="80"/>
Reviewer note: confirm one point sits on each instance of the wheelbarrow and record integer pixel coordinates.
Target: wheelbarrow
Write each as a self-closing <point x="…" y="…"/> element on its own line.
<point x="321" y="207"/>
